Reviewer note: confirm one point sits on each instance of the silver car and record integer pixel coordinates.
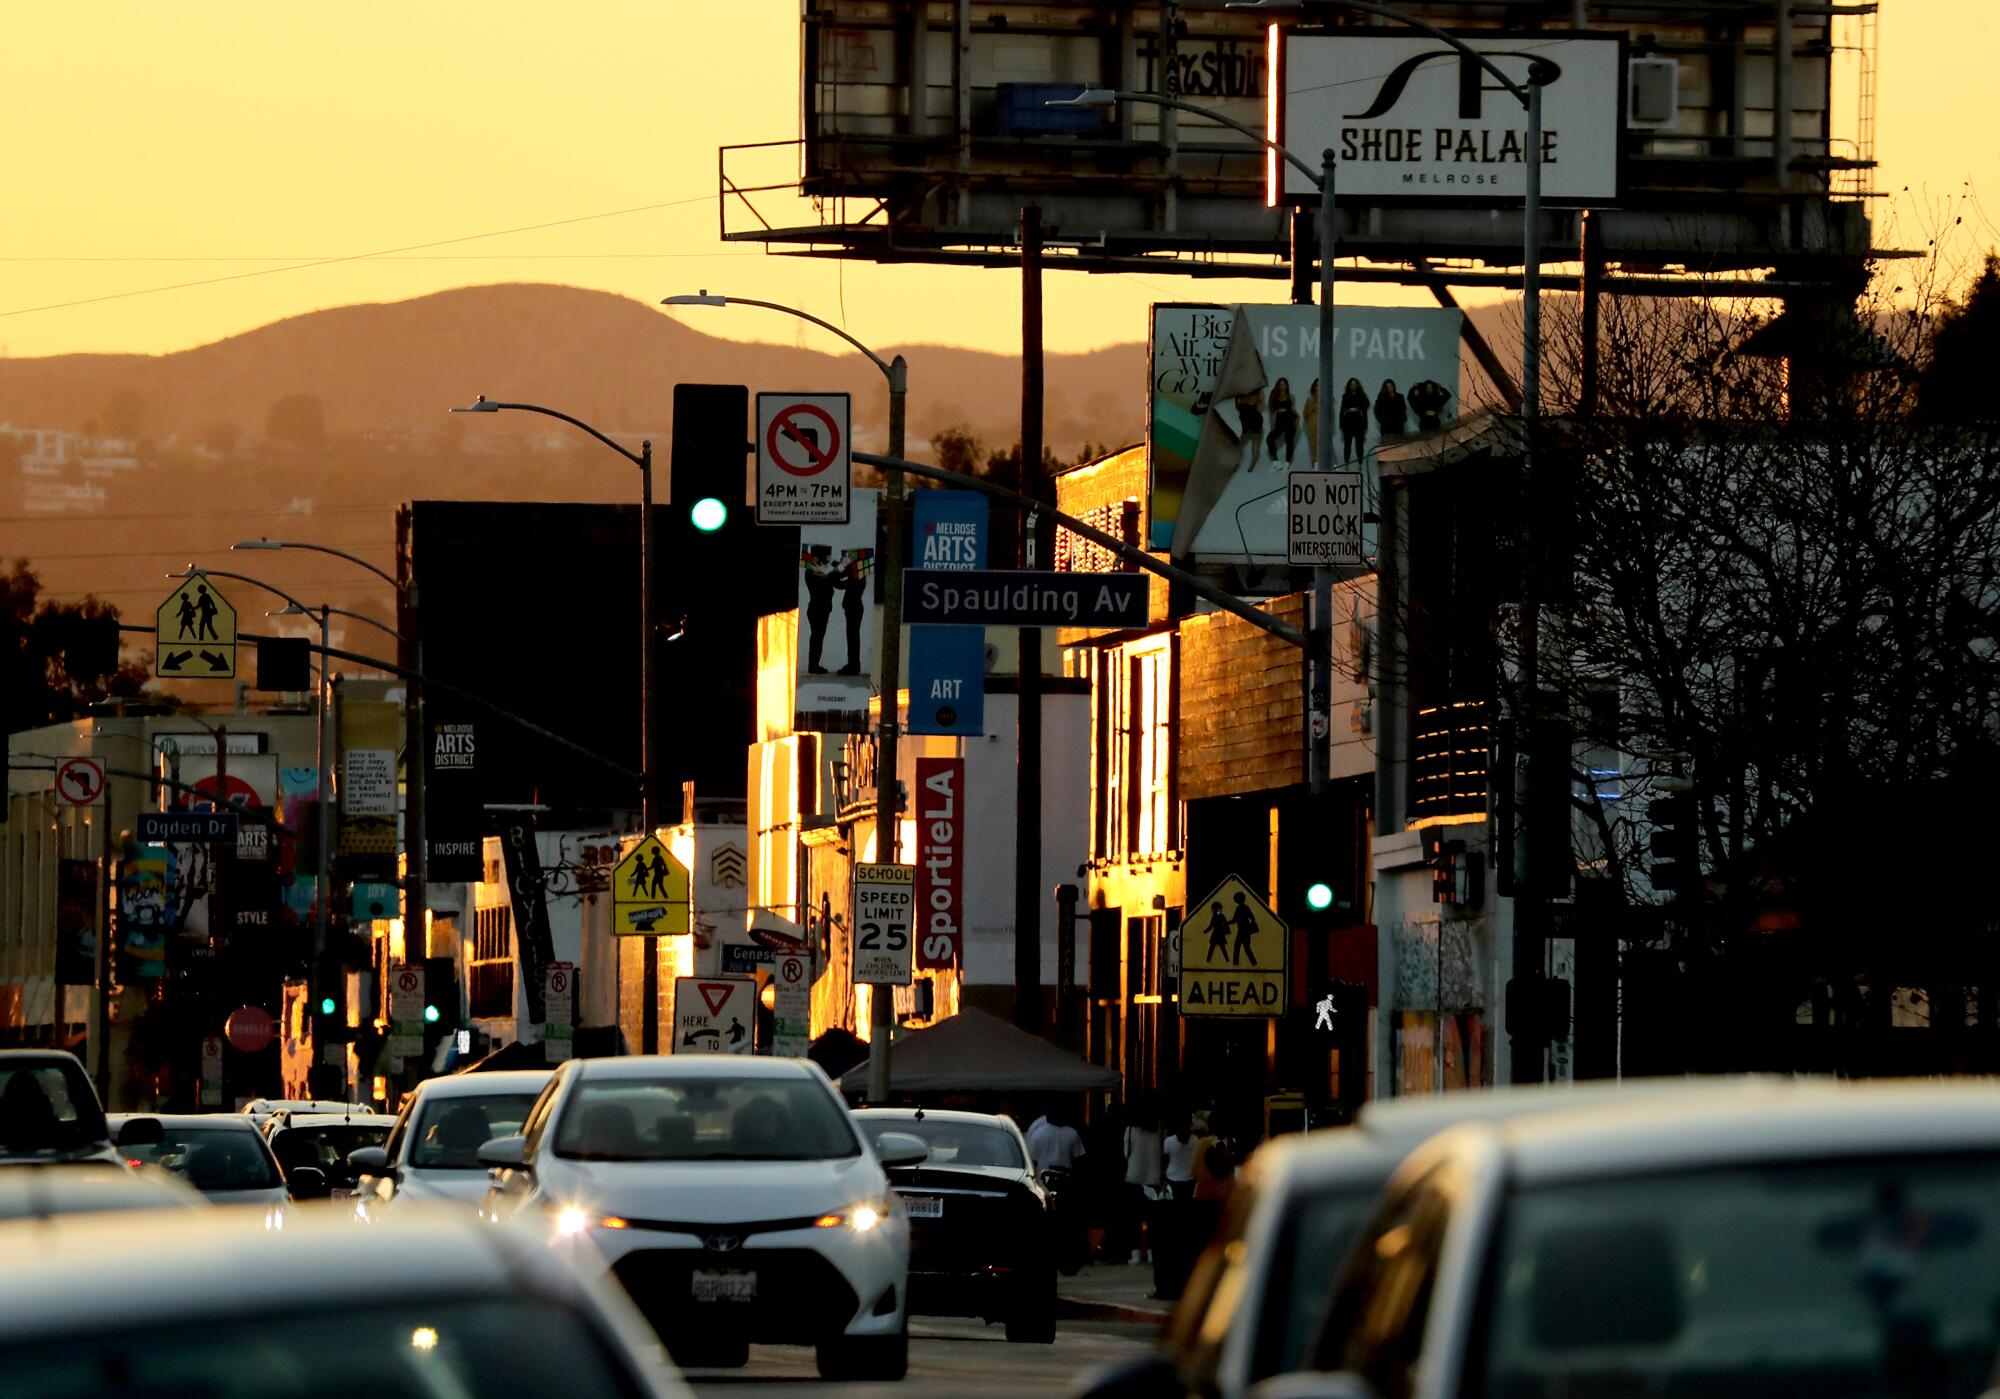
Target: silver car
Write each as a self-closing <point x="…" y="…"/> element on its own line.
<point x="432" y="1153"/>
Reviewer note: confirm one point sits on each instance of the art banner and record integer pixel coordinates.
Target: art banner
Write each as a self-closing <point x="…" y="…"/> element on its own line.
<point x="837" y="626"/>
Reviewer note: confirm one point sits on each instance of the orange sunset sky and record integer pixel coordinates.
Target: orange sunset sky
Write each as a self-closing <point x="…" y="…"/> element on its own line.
<point x="153" y="144"/>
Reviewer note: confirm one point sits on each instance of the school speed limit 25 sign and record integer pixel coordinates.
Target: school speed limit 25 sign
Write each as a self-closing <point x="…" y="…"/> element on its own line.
<point x="885" y="899"/>
<point x="1323" y="517"/>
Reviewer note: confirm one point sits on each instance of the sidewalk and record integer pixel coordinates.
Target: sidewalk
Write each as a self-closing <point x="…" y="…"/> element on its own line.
<point x="1112" y="1292"/>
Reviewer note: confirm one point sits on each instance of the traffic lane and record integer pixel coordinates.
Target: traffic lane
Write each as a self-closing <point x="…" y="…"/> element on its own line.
<point x="948" y="1357"/>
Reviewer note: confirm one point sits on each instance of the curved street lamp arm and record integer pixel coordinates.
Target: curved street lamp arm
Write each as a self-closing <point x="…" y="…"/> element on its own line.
<point x="1311" y="172"/>
<point x="827" y="326"/>
<point x="619" y="448"/>
<point x="326" y="549"/>
<point x="1389" y="12"/>
<point x="364" y="617"/>
<point x="253" y="582"/>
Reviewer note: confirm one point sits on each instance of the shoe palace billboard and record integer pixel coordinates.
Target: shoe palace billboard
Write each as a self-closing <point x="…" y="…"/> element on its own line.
<point x="1236" y="406"/>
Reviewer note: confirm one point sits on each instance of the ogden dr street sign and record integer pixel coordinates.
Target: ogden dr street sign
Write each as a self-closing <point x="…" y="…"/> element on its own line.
<point x="1406" y="115"/>
<point x="804" y="472"/>
<point x="1323" y="517"/>
<point x="1234" y="952"/>
<point x="1015" y="599"/>
<point x="885" y="896"/>
<point x="184" y="827"/>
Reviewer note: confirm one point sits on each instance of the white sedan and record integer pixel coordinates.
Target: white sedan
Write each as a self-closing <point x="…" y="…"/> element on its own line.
<point x="734" y="1199"/>
<point x="432" y="1153"/>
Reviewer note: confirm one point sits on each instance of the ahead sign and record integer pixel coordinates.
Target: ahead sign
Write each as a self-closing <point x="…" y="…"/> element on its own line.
<point x="804" y="472"/>
<point x="1323" y="518"/>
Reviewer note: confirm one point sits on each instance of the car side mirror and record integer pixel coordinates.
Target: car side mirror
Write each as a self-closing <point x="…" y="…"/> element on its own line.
<point x="505" y="1154"/>
<point x="894" y="1149"/>
<point x="369" y="1161"/>
<point x="1150" y="1376"/>
<point x="141" y="1131"/>
<point x="307" y="1183"/>
<point x="1323" y="1384"/>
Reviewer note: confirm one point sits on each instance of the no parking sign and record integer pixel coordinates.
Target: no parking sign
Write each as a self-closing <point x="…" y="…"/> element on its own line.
<point x="804" y="470"/>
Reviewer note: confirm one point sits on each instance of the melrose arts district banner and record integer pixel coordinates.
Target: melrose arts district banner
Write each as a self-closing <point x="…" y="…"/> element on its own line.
<point x="1236" y="404"/>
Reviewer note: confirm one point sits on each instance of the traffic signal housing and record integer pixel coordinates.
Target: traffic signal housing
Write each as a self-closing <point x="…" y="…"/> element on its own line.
<point x="1676" y="853"/>
<point x="91" y="652"/>
<point x="710" y="486"/>
<point x="284" y="663"/>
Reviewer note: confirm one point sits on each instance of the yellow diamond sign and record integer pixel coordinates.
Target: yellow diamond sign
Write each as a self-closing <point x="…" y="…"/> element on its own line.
<point x="195" y="633"/>
<point x="1234" y="955"/>
<point x="649" y="892"/>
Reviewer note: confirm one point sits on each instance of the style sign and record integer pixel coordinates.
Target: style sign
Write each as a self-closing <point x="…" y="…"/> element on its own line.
<point x="804" y="470"/>
<point x="940" y="892"/>
<point x="1234" y="955"/>
<point x="1023" y="599"/>
<point x="1408" y="116"/>
<point x="884" y="900"/>
<point x="195" y="633"/>
<point x="1323" y="518"/>
<point x="714" y="1015"/>
<point x="649" y="892"/>
<point x="80" y="782"/>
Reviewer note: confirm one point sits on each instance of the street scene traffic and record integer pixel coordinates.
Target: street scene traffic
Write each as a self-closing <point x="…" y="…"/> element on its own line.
<point x="1260" y="720"/>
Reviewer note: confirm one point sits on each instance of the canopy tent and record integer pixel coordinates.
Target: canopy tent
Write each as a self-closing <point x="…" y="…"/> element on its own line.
<point x="974" y="1052"/>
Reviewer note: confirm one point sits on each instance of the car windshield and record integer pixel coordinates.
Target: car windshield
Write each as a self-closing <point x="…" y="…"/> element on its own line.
<point x="48" y="1109"/>
<point x="212" y="1158"/>
<point x="952" y="1143"/>
<point x="450" y="1131"/>
<point x="705" y="1119"/>
<point x="1830" y="1278"/>
<point x="324" y="1147"/>
<point x="413" y="1350"/>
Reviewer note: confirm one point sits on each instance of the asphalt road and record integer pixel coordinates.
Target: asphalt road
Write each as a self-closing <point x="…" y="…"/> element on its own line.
<point x="947" y="1358"/>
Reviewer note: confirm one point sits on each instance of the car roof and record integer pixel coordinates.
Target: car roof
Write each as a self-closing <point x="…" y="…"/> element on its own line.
<point x="34" y="1191"/>
<point x="262" y="1106"/>
<point x="46" y="1056"/>
<point x="466" y="1085"/>
<point x="82" y="1273"/>
<point x="1803" y="1122"/>
<point x="333" y="1119"/>
<point x="671" y="1066"/>
<point x="182" y="1121"/>
<point x="1412" y="1120"/>
<point x="978" y="1119"/>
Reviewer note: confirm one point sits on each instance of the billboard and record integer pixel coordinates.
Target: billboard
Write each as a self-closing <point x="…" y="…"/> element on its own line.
<point x="1409" y="117"/>
<point x="837" y="629"/>
<point x="1236" y="405"/>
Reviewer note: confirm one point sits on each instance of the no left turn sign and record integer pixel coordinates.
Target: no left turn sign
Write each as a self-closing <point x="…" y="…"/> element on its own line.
<point x="80" y="782"/>
<point x="804" y="470"/>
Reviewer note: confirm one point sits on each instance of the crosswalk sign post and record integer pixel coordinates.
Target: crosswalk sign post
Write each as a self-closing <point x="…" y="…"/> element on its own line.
<point x="1235" y="955"/>
<point x="649" y="892"/>
<point x="194" y="633"/>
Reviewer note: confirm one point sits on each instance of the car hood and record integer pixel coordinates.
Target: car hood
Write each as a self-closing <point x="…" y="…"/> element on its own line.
<point x="459" y="1187"/>
<point x="715" y="1192"/>
<point x="273" y="1195"/>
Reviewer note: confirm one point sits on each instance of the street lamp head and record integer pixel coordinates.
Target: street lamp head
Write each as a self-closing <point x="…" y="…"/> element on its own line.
<point x="290" y="609"/>
<point x="187" y="572"/>
<point x="700" y="298"/>
<point x="257" y="544"/>
<point x="481" y="404"/>
<point x="1087" y="97"/>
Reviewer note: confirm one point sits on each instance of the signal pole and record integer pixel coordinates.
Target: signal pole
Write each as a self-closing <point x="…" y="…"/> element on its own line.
<point x="1028" y="697"/>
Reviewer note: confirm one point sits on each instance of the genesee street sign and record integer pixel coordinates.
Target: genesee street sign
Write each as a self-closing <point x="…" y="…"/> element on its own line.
<point x="163" y="827"/>
<point x="990" y="598"/>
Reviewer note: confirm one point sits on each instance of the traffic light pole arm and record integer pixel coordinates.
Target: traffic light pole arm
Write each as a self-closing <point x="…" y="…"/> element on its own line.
<point x="1194" y="583"/>
<point x="191" y="790"/>
<point x="580" y="424"/>
<point x="831" y="329"/>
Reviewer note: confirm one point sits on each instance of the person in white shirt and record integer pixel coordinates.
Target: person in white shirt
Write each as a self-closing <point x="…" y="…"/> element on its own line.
<point x="1054" y="1144"/>
<point x="1144" y="1176"/>
<point x="1177" y="1152"/>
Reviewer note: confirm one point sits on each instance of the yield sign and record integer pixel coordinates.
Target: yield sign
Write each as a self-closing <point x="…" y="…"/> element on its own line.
<point x="716" y="993"/>
<point x="804" y="472"/>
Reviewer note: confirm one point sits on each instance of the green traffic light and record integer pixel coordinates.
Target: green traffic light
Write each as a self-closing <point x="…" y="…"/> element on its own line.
<point x="708" y="515"/>
<point x="327" y="1005"/>
<point x="1319" y="897"/>
<point x="430" y="1015"/>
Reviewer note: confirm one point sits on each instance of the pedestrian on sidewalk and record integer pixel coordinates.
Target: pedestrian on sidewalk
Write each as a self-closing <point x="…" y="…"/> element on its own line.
<point x="1145" y="1179"/>
<point x="1178" y="1158"/>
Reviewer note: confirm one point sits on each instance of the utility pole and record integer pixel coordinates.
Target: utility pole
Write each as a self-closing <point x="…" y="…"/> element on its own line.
<point x="881" y="999"/>
<point x="1028" y="713"/>
<point x="649" y="786"/>
<point x="416" y="749"/>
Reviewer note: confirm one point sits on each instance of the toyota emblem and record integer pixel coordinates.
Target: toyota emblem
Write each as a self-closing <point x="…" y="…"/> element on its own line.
<point x="723" y="1243"/>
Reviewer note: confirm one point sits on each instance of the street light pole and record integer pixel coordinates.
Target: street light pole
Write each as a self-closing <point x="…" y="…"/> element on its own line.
<point x="881" y="1008"/>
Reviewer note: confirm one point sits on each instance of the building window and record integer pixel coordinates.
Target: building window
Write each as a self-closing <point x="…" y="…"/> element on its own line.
<point x="1152" y="695"/>
<point x="491" y="970"/>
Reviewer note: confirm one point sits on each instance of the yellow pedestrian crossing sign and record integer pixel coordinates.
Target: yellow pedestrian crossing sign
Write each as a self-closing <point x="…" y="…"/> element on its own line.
<point x="194" y="633"/>
<point x="649" y="892"/>
<point x="1235" y="955"/>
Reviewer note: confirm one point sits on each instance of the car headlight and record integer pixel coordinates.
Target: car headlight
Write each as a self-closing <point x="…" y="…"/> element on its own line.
<point x="570" y="1220"/>
<point x="861" y="1216"/>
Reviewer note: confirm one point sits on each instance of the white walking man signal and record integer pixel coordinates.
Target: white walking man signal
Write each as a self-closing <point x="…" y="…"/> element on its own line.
<point x="1323" y="1019"/>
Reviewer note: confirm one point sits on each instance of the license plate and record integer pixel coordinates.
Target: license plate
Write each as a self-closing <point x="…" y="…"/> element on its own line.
<point x="725" y="1285"/>
<point x="924" y="1206"/>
